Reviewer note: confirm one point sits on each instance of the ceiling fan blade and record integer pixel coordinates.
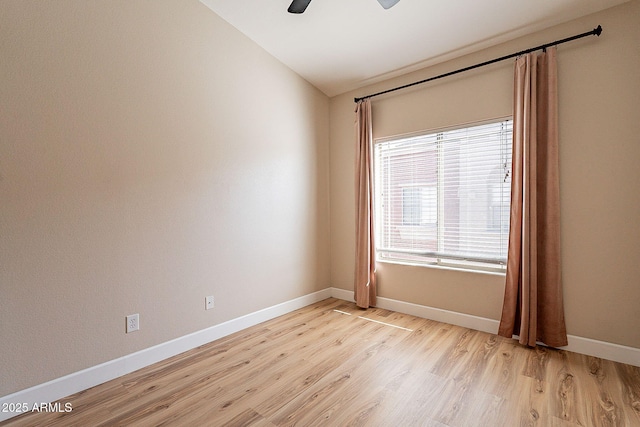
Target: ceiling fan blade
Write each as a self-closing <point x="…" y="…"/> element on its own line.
<point x="387" y="3"/>
<point x="298" y="6"/>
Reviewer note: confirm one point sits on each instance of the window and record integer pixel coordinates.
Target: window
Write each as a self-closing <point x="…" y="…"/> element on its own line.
<point x="419" y="205"/>
<point x="443" y="197"/>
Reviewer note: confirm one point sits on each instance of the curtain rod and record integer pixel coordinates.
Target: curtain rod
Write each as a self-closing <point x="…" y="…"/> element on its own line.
<point x="595" y="32"/>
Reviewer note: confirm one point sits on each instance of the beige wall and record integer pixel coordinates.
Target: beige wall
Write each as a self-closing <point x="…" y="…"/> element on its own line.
<point x="600" y="177"/>
<point x="150" y="155"/>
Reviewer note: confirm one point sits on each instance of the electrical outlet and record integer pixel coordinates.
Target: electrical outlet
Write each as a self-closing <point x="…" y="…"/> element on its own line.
<point x="208" y="302"/>
<point x="133" y="323"/>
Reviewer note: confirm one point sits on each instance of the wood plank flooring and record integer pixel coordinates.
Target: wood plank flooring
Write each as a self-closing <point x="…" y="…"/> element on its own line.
<point x="332" y="364"/>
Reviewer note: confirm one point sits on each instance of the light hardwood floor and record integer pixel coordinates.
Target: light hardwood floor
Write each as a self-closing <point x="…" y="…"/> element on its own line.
<point x="332" y="364"/>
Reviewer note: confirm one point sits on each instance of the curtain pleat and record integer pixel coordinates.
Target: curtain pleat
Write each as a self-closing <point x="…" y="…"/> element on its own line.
<point x="533" y="303"/>
<point x="365" y="275"/>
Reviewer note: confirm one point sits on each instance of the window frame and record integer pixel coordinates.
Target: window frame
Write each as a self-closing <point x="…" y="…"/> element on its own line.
<point x="438" y="259"/>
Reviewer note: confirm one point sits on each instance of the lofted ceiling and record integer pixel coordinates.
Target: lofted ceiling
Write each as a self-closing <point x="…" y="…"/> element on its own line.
<point x="340" y="45"/>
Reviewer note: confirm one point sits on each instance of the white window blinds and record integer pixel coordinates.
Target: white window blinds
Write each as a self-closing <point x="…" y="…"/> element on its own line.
<point x="443" y="197"/>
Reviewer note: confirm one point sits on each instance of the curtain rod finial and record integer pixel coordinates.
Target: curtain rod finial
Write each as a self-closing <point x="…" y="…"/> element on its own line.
<point x="598" y="31"/>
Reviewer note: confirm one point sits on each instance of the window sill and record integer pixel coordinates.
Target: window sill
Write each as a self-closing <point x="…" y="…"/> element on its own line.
<point x="488" y="270"/>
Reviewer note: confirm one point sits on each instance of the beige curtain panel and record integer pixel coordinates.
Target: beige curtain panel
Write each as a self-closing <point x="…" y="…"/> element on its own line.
<point x="533" y="304"/>
<point x="365" y="274"/>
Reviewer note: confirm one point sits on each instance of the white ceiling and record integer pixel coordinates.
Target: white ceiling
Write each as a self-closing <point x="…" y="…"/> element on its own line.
<point x="339" y="45"/>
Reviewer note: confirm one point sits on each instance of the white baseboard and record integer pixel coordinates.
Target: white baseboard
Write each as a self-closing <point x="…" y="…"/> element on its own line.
<point x="437" y="314"/>
<point x="604" y="350"/>
<point x="90" y="377"/>
<point x="601" y="349"/>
